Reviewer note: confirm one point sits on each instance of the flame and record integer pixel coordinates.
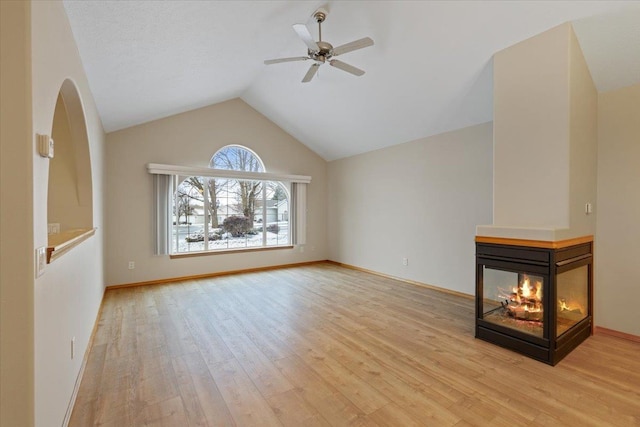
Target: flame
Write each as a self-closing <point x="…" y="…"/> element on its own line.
<point x="526" y="291"/>
<point x="524" y="301"/>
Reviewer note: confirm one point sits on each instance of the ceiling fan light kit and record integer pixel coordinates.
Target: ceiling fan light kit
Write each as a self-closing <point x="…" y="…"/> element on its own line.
<point x="322" y="51"/>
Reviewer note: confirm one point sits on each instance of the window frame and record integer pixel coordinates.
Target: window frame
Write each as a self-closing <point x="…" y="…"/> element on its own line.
<point x="174" y="246"/>
<point x="163" y="222"/>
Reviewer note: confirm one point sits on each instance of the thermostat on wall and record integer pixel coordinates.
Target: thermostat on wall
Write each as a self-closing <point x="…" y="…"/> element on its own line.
<point x="45" y="146"/>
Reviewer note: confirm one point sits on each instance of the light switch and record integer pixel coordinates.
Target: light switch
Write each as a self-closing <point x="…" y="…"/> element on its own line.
<point x="588" y="208"/>
<point x="41" y="260"/>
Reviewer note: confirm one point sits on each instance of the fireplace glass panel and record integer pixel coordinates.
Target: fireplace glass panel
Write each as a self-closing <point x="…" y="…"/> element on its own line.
<point x="513" y="300"/>
<point x="572" y="292"/>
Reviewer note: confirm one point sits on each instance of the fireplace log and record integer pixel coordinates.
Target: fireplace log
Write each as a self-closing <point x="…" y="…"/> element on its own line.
<point x="520" y="313"/>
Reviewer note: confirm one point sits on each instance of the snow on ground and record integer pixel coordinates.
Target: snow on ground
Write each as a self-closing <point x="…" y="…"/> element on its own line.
<point x="273" y="239"/>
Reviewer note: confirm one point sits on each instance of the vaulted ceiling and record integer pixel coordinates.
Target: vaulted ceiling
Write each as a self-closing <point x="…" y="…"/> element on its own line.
<point x="430" y="70"/>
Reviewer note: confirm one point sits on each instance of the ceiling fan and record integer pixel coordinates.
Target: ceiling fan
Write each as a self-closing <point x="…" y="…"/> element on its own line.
<point x="321" y="51"/>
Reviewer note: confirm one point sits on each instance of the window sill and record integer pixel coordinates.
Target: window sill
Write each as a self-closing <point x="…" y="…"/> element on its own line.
<point x="61" y="243"/>
<point x="228" y="251"/>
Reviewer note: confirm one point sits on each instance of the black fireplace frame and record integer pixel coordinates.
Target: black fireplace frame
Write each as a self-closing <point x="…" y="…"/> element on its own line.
<point x="547" y="262"/>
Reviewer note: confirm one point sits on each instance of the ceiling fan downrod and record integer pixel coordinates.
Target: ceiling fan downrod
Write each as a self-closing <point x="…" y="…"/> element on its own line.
<point x="320" y="17"/>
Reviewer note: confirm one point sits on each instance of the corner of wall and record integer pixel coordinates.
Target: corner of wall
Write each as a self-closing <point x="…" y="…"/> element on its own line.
<point x="583" y="137"/>
<point x="17" y="370"/>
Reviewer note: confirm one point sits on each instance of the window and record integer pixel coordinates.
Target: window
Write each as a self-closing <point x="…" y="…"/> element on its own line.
<point x="214" y="213"/>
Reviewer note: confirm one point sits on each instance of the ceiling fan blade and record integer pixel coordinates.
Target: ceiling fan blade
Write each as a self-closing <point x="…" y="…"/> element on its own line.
<point x="355" y="45"/>
<point x="312" y="72"/>
<point x="346" y="67"/>
<point x="277" y="61"/>
<point x="305" y="35"/>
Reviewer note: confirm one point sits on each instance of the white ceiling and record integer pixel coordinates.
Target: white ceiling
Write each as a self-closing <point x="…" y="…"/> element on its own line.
<point x="429" y="72"/>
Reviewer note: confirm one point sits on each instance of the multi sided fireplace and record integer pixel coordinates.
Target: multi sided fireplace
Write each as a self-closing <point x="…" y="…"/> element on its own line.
<point x="534" y="297"/>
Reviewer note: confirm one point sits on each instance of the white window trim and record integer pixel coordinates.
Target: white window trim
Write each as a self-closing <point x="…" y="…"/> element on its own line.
<point x="160" y="169"/>
<point x="297" y="202"/>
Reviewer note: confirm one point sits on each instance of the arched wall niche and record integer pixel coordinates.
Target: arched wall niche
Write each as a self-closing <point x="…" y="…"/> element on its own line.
<point x="70" y="189"/>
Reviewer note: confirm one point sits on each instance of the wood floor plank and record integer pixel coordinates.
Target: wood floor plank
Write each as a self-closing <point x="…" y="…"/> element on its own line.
<point x="392" y="414"/>
<point x="423" y="402"/>
<point x="246" y="404"/>
<point x="258" y="367"/>
<point x="168" y="413"/>
<point x="177" y="337"/>
<point x="156" y="380"/>
<point x="319" y="393"/>
<point x="200" y="392"/>
<point x="324" y="345"/>
<point x="209" y="343"/>
<point x="358" y="391"/>
<point x="293" y="411"/>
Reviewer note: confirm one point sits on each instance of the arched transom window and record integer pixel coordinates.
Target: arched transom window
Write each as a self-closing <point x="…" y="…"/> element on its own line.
<point x="237" y="158"/>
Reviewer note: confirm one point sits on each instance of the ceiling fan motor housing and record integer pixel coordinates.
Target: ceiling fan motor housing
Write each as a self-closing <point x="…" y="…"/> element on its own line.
<point x="325" y="52"/>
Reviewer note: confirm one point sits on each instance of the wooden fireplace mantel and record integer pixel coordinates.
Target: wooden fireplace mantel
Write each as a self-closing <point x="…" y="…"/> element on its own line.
<point x="543" y="244"/>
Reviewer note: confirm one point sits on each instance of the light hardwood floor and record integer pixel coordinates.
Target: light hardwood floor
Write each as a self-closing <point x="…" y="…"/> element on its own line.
<point x="323" y="345"/>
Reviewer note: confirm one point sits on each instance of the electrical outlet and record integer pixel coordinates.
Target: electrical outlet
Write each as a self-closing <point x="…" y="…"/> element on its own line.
<point x="132" y="265"/>
<point x="405" y="261"/>
<point x="73" y="347"/>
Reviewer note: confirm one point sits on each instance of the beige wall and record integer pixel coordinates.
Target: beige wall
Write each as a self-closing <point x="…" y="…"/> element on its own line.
<point x="67" y="297"/>
<point x="583" y="144"/>
<point x="63" y="197"/>
<point x="61" y="194"/>
<point x="420" y="200"/>
<point x="191" y="139"/>
<point x="531" y="129"/>
<point x="618" y="230"/>
<point x="16" y="218"/>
